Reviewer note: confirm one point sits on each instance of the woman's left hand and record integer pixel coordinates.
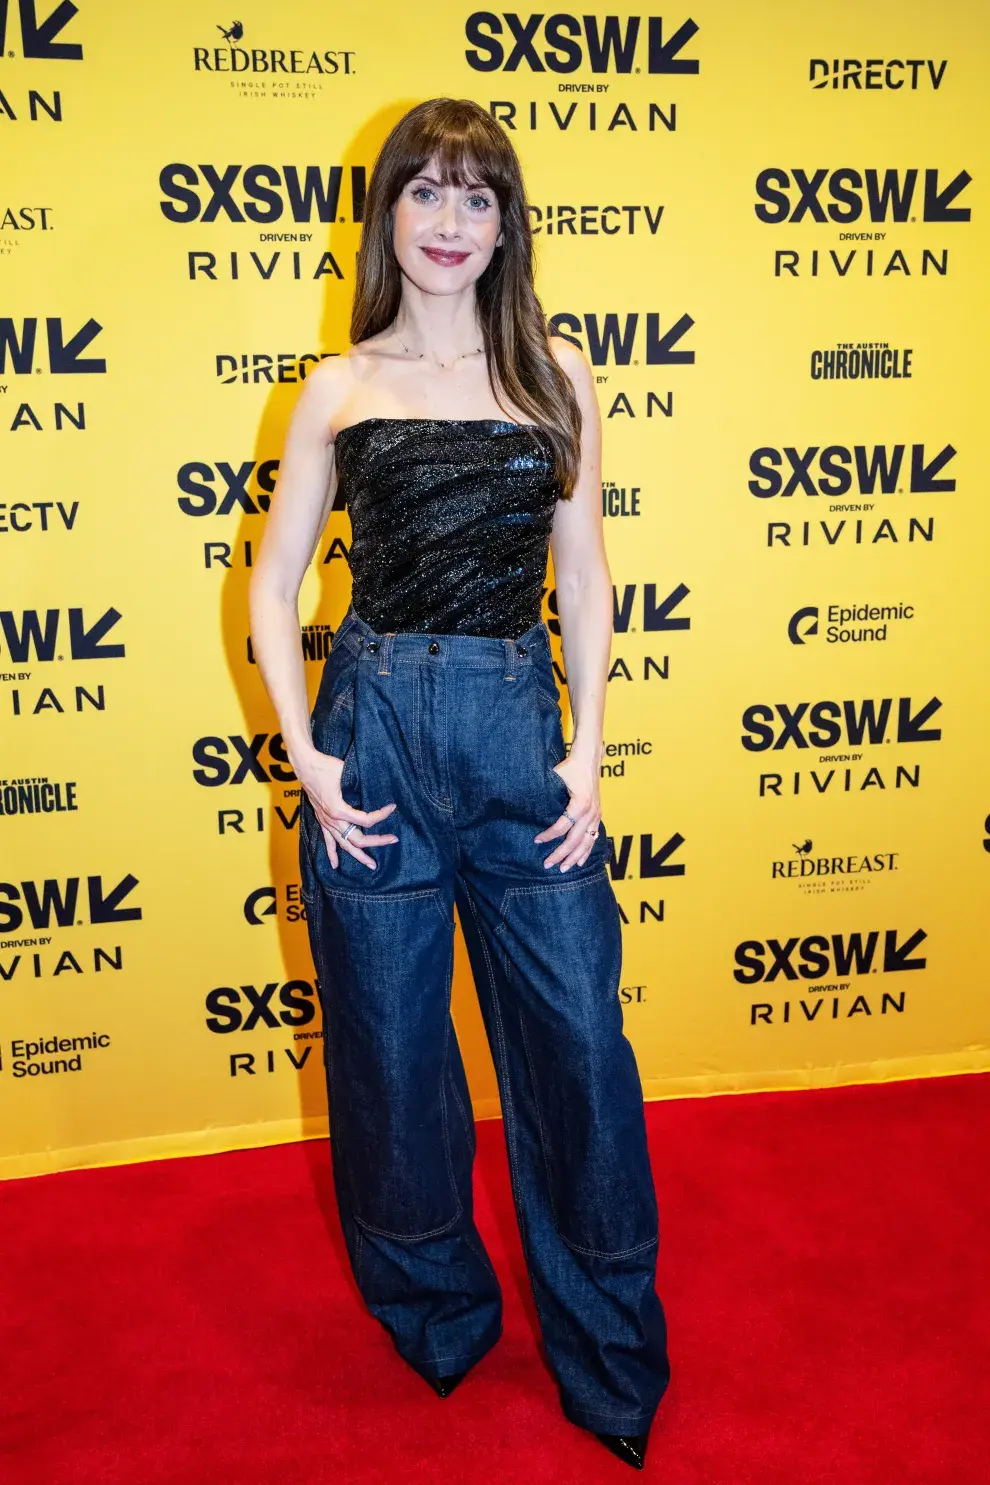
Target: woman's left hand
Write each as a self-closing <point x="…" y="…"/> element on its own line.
<point x="581" y="775"/>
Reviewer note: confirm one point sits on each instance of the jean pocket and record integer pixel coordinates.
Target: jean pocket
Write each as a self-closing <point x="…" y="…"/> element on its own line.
<point x="332" y="719"/>
<point x="586" y="1094"/>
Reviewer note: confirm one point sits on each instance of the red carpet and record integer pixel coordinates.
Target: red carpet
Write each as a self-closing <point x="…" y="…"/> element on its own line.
<point x="823" y="1265"/>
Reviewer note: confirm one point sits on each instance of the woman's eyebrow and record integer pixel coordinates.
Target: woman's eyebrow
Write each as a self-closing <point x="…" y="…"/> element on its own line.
<point x="474" y="185"/>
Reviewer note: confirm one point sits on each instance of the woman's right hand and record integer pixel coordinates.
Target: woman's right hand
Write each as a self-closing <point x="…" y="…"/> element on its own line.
<point x="320" y="774"/>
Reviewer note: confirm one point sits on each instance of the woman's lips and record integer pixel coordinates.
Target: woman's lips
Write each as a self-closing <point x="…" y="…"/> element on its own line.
<point x="442" y="255"/>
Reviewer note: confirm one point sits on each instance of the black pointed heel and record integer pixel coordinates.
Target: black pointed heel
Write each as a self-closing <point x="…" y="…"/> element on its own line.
<point x="629" y="1447"/>
<point x="444" y="1386"/>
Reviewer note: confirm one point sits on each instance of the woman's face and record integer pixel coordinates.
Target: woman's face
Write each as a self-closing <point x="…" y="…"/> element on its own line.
<point x="444" y="236"/>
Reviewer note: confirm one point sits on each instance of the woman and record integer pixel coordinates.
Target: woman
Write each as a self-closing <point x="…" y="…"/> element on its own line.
<point x="466" y="442"/>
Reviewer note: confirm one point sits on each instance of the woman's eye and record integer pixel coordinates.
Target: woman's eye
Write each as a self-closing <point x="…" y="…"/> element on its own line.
<point x="420" y="191"/>
<point x="481" y="203"/>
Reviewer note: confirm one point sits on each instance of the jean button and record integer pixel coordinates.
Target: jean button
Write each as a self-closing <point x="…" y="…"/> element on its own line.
<point x="372" y="645"/>
<point x="521" y="649"/>
<point x="433" y="647"/>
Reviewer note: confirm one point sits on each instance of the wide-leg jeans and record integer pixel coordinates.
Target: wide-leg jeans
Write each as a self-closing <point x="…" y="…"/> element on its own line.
<point x="463" y="732"/>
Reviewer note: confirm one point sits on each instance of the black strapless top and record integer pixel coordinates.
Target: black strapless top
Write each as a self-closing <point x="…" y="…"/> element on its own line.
<point x="450" y="521"/>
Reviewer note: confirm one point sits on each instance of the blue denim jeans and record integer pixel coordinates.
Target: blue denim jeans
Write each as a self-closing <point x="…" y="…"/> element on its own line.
<point x="463" y="733"/>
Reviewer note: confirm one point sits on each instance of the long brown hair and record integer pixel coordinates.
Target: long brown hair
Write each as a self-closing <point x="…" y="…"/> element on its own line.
<point x="469" y="145"/>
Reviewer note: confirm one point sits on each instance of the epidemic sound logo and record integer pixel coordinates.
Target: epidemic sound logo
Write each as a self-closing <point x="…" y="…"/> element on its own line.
<point x="856" y="195"/>
<point x="772" y="727"/>
<point x="272" y="61"/>
<point x="835" y="470"/>
<point x="28" y="634"/>
<point x="871" y="620"/>
<point x="849" y="73"/>
<point x="65" y="348"/>
<point x="264" y="193"/>
<point x="38" y="38"/>
<point x="36" y="797"/>
<point x="263" y="903"/>
<point x="614" y="340"/>
<point x="564" y="44"/>
<point x="25" y="1056"/>
<point x="51" y="898"/>
<point x="834" y="873"/>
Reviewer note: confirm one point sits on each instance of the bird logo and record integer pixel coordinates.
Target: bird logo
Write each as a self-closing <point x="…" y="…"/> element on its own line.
<point x="234" y="34"/>
<point x="804" y="848"/>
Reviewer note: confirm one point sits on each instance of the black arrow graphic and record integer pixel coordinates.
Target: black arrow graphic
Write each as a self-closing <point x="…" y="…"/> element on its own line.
<point x="85" y="643"/>
<point x="63" y="356"/>
<point x="658" y="347"/>
<point x="910" y="729"/>
<point x="37" y="39"/>
<point x="653" y="864"/>
<point x="937" y="208"/>
<point x="663" y="54"/>
<point x="923" y="475"/>
<point x="107" y="909"/>
<point x="894" y="958"/>
<point x="657" y="615"/>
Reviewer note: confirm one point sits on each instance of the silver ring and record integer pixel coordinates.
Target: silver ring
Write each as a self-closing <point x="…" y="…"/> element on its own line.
<point x="569" y="817"/>
<point x="345" y="833"/>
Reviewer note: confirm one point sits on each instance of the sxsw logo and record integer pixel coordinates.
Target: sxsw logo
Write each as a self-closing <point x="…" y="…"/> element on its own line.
<point x="246" y="1007"/>
<point x="773" y="727"/>
<point x="28" y="635"/>
<point x="38" y="903"/>
<point x="835" y="470"/>
<point x="65" y="347"/>
<point x="236" y="759"/>
<point x="855" y="195"/>
<point x="614" y="339"/>
<point x="258" y="193"/>
<point x="820" y="954"/>
<point x="566" y="43"/>
<point x="225" y="492"/>
<point x="38" y="37"/>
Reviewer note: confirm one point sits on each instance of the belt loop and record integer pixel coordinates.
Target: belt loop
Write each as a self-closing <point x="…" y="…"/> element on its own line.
<point x="510" y="659"/>
<point x="384" y="668"/>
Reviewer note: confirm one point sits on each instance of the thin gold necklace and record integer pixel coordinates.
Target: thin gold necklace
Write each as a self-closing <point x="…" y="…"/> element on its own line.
<point x="443" y="364"/>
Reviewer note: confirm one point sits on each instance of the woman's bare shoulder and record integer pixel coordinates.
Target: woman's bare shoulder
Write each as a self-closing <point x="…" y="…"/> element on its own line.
<point x="570" y="358"/>
<point x="333" y="384"/>
<point x="576" y="367"/>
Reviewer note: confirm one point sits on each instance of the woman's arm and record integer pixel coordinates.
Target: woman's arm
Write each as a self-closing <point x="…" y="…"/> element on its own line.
<point x="299" y="510"/>
<point x="584" y="606"/>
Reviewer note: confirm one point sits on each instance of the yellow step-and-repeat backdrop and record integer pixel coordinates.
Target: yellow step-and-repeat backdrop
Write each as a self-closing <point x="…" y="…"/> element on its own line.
<point x="767" y="227"/>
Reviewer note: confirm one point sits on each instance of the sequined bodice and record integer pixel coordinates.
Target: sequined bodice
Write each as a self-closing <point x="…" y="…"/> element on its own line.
<point x="450" y="522"/>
